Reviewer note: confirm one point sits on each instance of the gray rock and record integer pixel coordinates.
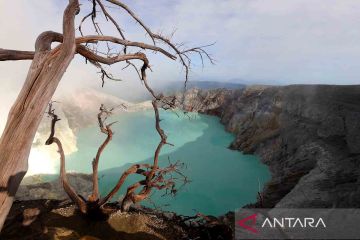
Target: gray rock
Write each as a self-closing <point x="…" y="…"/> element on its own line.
<point x="353" y="130"/>
<point x="308" y="135"/>
<point x="331" y="126"/>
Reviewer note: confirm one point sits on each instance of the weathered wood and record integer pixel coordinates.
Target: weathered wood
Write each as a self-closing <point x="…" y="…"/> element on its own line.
<point x="45" y="72"/>
<point x="7" y="55"/>
<point x="67" y="187"/>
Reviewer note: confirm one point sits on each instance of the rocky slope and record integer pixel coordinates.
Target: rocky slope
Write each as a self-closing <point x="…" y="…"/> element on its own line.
<point x="308" y="135"/>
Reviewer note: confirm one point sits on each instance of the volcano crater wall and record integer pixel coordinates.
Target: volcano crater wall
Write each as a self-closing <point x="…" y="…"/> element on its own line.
<point x="308" y="135"/>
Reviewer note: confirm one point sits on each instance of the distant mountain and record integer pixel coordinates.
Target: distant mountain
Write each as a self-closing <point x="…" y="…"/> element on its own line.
<point x="214" y="85"/>
<point x="136" y="92"/>
<point x="206" y="85"/>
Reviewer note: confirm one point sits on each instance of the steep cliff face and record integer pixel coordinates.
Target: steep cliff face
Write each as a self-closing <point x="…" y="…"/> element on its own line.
<point x="309" y="136"/>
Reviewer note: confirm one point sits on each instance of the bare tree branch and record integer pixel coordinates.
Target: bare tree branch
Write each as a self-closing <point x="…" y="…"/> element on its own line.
<point x="133" y="15"/>
<point x="106" y="129"/>
<point x="6" y="55"/>
<point x="131" y="170"/>
<point x="96" y="38"/>
<point x="67" y="187"/>
<point x="108" y="16"/>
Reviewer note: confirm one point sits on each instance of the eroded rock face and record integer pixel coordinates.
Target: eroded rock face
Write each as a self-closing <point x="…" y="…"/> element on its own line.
<point x="352" y="124"/>
<point x="309" y="136"/>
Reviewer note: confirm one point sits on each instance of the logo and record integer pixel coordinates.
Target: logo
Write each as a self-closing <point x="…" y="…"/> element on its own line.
<point x="244" y="223"/>
<point x="297" y="223"/>
<point x="249" y="222"/>
<point x="291" y="222"/>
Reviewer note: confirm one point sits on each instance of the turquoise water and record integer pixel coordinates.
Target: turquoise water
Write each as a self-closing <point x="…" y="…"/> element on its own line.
<point x="221" y="179"/>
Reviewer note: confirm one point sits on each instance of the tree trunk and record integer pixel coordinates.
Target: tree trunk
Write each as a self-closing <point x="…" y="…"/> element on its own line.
<point x="46" y="71"/>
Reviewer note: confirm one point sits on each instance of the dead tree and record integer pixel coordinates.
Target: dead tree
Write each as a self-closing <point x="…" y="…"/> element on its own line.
<point x="165" y="178"/>
<point x="47" y="68"/>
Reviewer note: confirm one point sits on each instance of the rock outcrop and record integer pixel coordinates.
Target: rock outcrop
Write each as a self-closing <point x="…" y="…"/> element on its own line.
<point x="308" y="135"/>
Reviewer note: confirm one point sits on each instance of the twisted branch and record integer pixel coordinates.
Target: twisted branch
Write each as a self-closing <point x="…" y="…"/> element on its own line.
<point x="66" y="185"/>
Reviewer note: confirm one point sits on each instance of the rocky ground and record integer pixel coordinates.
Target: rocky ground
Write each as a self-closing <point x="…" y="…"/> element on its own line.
<point x="308" y="135"/>
<point x="59" y="220"/>
<point x="42" y="211"/>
